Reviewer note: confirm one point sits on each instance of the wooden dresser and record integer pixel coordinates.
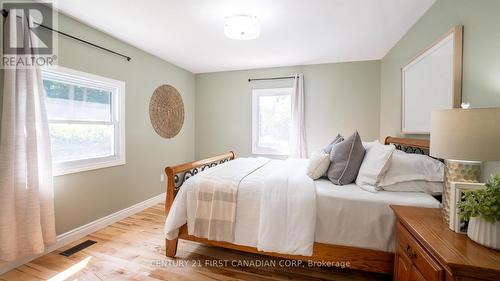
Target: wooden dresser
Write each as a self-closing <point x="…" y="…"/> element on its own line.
<point x="427" y="250"/>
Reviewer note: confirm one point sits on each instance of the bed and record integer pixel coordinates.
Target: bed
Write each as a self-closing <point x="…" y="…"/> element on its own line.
<point x="361" y="233"/>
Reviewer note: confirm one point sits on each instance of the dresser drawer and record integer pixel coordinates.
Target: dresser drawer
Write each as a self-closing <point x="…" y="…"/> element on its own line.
<point x="415" y="275"/>
<point x="423" y="262"/>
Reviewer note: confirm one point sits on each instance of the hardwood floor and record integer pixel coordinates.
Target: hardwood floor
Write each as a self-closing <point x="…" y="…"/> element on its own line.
<point x="133" y="249"/>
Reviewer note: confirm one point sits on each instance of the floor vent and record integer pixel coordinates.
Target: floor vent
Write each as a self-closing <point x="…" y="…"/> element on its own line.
<point x="78" y="248"/>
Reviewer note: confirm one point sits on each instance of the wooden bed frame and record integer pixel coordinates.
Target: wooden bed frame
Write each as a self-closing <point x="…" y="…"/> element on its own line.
<point x="358" y="258"/>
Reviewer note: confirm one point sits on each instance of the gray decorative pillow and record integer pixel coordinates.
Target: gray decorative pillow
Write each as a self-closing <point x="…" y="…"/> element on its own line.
<point x="328" y="148"/>
<point x="346" y="158"/>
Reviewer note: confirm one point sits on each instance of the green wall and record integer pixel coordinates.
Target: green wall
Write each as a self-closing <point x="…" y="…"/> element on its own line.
<point x="340" y="97"/>
<point x="481" y="57"/>
<point x="84" y="197"/>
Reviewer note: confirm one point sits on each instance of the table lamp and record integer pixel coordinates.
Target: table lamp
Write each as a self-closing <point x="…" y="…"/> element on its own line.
<point x="464" y="138"/>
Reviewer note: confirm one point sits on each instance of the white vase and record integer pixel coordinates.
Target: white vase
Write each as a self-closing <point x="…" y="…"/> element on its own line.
<point x="484" y="232"/>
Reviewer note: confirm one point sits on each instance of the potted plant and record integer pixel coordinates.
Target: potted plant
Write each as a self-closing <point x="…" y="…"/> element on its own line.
<point x="482" y="209"/>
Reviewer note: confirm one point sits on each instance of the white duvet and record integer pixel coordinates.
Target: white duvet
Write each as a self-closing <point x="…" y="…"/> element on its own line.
<point x="340" y="215"/>
<point x="277" y="201"/>
<point x="287" y="210"/>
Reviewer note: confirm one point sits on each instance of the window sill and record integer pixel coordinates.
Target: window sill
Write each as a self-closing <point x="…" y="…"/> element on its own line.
<point x="65" y="169"/>
<point x="268" y="152"/>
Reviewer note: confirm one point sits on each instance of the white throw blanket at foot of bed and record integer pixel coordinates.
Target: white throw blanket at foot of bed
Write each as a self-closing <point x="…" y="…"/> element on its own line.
<point x="279" y="192"/>
<point x="216" y="202"/>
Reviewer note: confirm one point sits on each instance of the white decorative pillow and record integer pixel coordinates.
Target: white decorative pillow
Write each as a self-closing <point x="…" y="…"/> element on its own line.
<point x="410" y="167"/>
<point x="318" y="165"/>
<point x="375" y="164"/>
<point x="368" y="144"/>
<point x="432" y="188"/>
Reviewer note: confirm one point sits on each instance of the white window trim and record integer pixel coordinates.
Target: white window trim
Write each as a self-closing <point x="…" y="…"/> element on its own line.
<point x="117" y="112"/>
<point x="256" y="93"/>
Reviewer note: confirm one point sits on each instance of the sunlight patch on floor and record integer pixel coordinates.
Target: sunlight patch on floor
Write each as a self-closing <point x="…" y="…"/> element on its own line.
<point x="71" y="271"/>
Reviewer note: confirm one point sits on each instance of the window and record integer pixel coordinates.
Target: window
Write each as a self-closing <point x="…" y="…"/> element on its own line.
<point x="86" y="120"/>
<point x="271" y="117"/>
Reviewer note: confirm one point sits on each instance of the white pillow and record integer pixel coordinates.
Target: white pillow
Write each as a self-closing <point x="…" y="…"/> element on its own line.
<point x="370" y="188"/>
<point x="375" y="164"/>
<point x="432" y="188"/>
<point x="368" y="144"/>
<point x="405" y="167"/>
<point x="318" y="165"/>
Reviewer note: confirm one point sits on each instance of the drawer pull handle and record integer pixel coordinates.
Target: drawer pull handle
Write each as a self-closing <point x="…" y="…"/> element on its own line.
<point x="411" y="254"/>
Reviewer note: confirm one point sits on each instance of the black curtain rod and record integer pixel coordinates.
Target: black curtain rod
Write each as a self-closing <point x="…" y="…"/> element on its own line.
<point x="271" y="78"/>
<point x="5" y="13"/>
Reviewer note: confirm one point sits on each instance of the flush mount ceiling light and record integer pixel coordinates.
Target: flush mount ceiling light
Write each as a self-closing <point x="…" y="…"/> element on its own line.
<point x="242" y="27"/>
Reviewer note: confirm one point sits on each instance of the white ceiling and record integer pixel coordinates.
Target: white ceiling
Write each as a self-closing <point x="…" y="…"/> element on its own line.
<point x="190" y="33"/>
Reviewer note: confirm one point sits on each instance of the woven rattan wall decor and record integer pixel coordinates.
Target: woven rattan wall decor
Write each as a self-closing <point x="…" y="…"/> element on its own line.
<point x="166" y="111"/>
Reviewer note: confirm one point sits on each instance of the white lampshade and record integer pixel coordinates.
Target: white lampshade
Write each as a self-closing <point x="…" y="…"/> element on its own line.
<point x="242" y="27"/>
<point x="466" y="134"/>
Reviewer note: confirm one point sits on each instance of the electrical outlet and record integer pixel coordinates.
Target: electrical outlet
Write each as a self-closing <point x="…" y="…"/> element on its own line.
<point x="162" y="177"/>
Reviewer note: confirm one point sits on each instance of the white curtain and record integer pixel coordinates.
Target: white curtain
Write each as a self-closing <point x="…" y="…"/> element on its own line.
<point x="26" y="185"/>
<point x="298" y="145"/>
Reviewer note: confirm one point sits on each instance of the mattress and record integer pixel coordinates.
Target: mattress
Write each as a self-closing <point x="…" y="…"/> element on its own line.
<point x="346" y="215"/>
<point x="350" y="216"/>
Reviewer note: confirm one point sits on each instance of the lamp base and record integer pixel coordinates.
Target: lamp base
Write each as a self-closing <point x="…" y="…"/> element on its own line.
<point x="457" y="171"/>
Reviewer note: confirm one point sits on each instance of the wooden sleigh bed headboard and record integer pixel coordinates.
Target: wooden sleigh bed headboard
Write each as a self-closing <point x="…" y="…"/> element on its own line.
<point x="409" y="145"/>
<point x="177" y="175"/>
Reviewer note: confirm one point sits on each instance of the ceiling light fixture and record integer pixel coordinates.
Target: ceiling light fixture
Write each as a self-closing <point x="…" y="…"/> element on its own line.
<point x="242" y="27"/>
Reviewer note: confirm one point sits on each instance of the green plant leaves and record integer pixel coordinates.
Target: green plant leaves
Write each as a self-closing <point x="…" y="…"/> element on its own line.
<point x="484" y="203"/>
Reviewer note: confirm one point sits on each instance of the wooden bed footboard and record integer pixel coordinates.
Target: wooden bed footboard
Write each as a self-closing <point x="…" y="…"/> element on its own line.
<point x="176" y="175"/>
<point x="357" y="258"/>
